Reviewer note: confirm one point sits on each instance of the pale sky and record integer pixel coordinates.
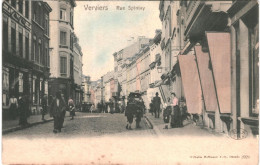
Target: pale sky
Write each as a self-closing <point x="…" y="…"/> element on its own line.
<point x="103" y="32"/>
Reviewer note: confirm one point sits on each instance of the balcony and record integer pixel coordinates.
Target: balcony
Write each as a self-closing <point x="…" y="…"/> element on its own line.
<point x="204" y="16"/>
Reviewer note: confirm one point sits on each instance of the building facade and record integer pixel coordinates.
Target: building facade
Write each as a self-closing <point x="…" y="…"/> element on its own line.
<point x="223" y="75"/>
<point x="40" y="52"/>
<point x="77" y="72"/>
<point x="25" y="66"/>
<point x="62" y="34"/>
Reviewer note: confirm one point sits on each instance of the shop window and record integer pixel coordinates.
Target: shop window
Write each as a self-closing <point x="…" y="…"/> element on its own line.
<point x="20" y="82"/>
<point x="13" y="37"/>
<point x="63" y="66"/>
<point x="20" y="41"/>
<point x="5" y="32"/>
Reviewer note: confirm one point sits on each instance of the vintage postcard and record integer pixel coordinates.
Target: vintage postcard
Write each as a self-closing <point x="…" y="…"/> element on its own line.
<point x="130" y="82"/>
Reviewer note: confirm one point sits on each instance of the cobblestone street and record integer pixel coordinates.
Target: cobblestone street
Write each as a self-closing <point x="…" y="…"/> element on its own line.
<point x="86" y="124"/>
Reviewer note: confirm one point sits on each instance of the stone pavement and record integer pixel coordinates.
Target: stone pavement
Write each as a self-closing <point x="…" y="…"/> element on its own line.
<point x="13" y="125"/>
<point x="189" y="129"/>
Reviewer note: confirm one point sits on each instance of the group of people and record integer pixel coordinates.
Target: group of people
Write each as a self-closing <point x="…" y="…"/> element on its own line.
<point x="20" y="107"/>
<point x="135" y="108"/>
<point x="57" y="107"/>
<point x="172" y="114"/>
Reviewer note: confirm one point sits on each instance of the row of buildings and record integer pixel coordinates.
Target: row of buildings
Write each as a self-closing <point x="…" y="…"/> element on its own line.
<point x="207" y="53"/>
<point x="41" y="53"/>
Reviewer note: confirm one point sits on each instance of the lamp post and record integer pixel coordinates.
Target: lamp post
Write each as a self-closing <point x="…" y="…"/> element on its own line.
<point x="159" y="69"/>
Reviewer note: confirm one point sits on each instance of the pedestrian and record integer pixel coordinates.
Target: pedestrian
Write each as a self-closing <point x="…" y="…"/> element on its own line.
<point x="57" y="109"/>
<point x="71" y="108"/>
<point x="151" y="107"/>
<point x="44" y="106"/>
<point x="111" y="107"/>
<point x="176" y="115"/>
<point x="13" y="105"/>
<point x="167" y="113"/>
<point x="157" y="104"/>
<point x="129" y="113"/>
<point x="23" y="109"/>
<point x="63" y="112"/>
<point x="139" y="111"/>
<point x="92" y="108"/>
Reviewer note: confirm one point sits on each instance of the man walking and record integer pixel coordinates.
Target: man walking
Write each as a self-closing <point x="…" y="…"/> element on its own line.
<point x="44" y="106"/>
<point x="157" y="105"/>
<point x="57" y="109"/>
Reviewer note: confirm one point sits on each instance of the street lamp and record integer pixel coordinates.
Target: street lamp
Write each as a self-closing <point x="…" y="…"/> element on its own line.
<point x="159" y="69"/>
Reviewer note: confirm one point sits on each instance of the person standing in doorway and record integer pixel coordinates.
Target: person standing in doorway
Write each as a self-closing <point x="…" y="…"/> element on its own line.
<point x="176" y="115"/>
<point x="157" y="105"/>
<point x="13" y="105"/>
<point x="57" y="109"/>
<point x="23" y="110"/>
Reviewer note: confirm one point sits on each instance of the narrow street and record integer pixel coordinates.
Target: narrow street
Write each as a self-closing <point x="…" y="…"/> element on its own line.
<point x="87" y="125"/>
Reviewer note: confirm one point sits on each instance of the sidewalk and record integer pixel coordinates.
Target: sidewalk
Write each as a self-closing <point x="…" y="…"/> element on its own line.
<point x="189" y="129"/>
<point x="13" y="125"/>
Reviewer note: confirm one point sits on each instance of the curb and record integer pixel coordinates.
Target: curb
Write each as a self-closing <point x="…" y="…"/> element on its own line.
<point x="24" y="127"/>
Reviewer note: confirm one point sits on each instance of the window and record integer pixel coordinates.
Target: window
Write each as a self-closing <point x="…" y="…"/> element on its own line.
<point x="34" y="15"/>
<point x="71" y="18"/>
<point x="20" y="4"/>
<point x="63" y="66"/>
<point x="27" y="9"/>
<point x="34" y="49"/>
<point x="71" y="41"/>
<point x="21" y="41"/>
<point x="63" y="38"/>
<point x="5" y="32"/>
<point x="63" y="14"/>
<point x="46" y="24"/>
<point x="47" y="58"/>
<point x="39" y="57"/>
<point x="13" y="3"/>
<point x="27" y="45"/>
<point x="20" y="82"/>
<point x="13" y="38"/>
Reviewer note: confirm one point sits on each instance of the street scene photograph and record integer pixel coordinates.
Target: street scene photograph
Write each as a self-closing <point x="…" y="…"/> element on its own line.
<point x="130" y="82"/>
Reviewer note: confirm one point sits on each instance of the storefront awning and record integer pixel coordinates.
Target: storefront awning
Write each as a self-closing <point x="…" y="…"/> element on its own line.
<point x="191" y="83"/>
<point x="206" y="79"/>
<point x="220" y="54"/>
